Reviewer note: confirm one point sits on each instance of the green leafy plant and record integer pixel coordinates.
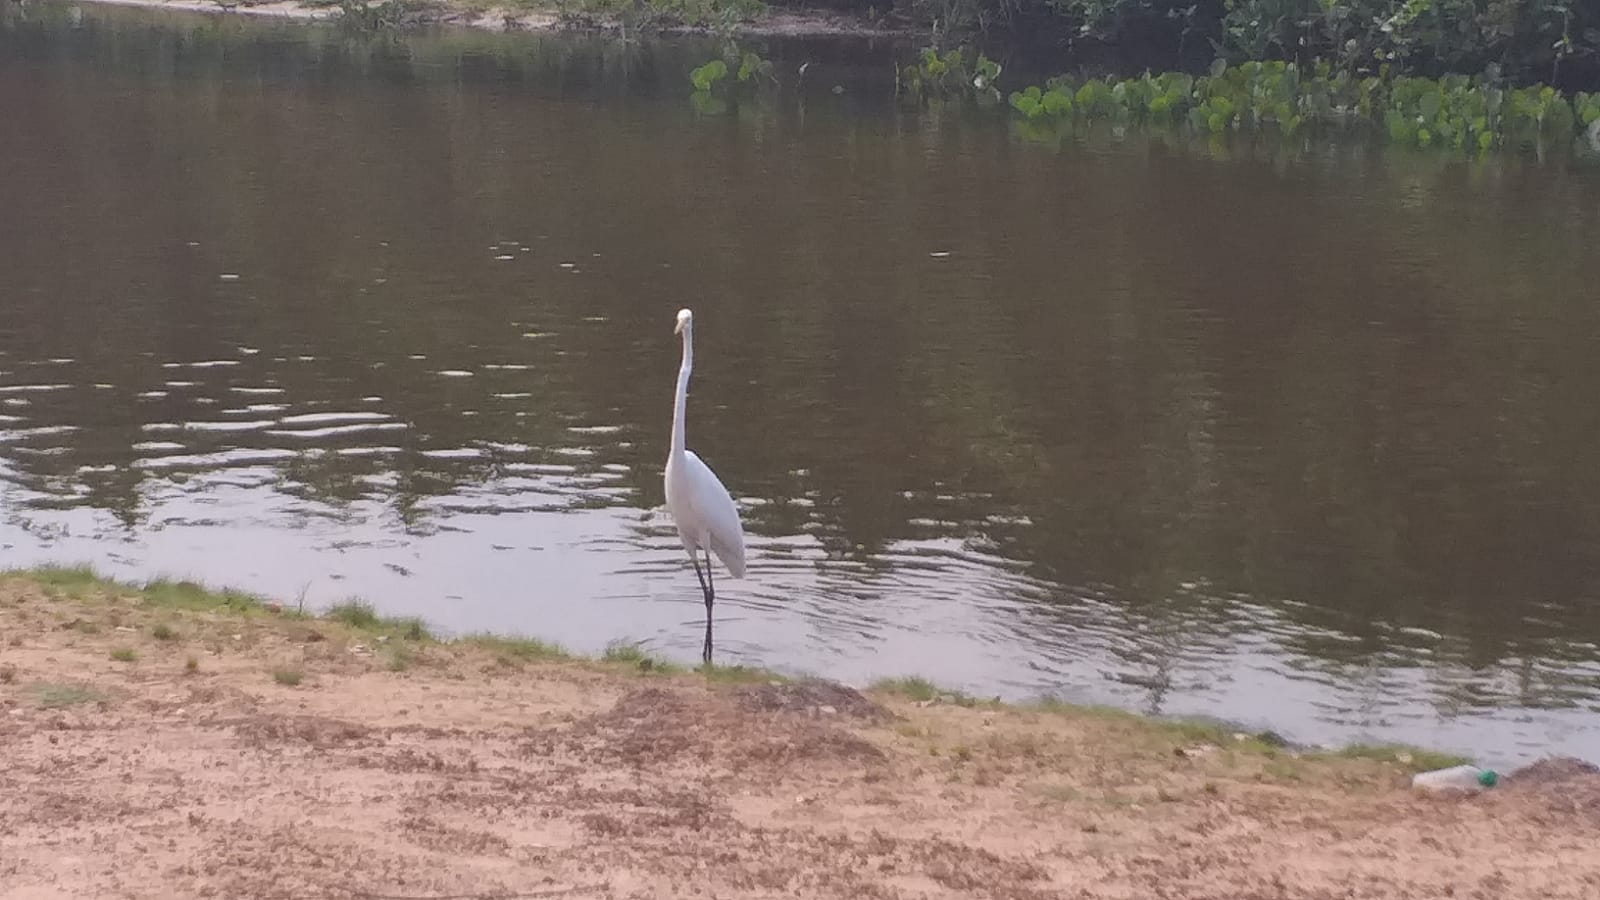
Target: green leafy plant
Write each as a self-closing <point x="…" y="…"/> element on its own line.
<point x="752" y="66"/>
<point x="954" y="72"/>
<point x="706" y="77"/>
<point x="1531" y="39"/>
<point x="747" y="68"/>
<point x="1454" y="111"/>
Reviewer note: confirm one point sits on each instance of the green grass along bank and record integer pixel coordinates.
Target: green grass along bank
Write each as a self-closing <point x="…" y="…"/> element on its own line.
<point x="402" y="643"/>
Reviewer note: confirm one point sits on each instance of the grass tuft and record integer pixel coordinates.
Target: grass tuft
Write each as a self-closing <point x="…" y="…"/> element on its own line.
<point x="739" y="674"/>
<point x="411" y="628"/>
<point x="191" y="665"/>
<point x="189" y="595"/>
<point x="513" y="651"/>
<point x="355" y="613"/>
<point x="124" y="654"/>
<point x="911" y="687"/>
<point x="288" y="677"/>
<point x="48" y="695"/>
<point x="163" y="632"/>
<point x="921" y="690"/>
<point x="362" y="616"/>
<point x="59" y="576"/>
<point x="630" y="654"/>
<point x="1412" y="759"/>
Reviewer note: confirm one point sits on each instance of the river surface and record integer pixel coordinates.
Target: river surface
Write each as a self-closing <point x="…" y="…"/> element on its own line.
<point x="1302" y="437"/>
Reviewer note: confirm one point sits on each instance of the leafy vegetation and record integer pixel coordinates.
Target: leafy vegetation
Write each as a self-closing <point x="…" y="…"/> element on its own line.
<point x="956" y="71"/>
<point x="1453" y="111"/>
<point x="1531" y="39"/>
<point x="746" y="68"/>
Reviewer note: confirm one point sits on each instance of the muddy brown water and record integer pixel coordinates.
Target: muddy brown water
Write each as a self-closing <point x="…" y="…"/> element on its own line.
<point x="1297" y="436"/>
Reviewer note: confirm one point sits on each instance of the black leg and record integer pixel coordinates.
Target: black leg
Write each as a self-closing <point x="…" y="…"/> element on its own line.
<point x="704" y="589"/>
<point x="708" y="588"/>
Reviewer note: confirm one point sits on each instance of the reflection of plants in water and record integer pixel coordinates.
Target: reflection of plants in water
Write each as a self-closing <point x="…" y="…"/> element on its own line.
<point x="367" y="17"/>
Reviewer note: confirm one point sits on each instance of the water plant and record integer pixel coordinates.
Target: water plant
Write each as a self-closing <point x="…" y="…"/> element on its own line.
<point x="747" y="68"/>
<point x="955" y="72"/>
<point x="1453" y="111"/>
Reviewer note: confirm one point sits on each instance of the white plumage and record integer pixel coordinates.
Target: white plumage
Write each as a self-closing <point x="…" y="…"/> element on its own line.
<point x="700" y="505"/>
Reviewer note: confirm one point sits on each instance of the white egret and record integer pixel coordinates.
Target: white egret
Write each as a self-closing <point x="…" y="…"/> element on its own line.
<point x="701" y="507"/>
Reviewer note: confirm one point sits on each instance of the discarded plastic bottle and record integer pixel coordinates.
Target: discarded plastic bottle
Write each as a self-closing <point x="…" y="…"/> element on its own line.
<point x="1467" y="779"/>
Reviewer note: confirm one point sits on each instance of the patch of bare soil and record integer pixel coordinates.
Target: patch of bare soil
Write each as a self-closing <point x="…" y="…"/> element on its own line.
<point x="810" y="697"/>
<point x="1561" y="786"/>
<point x="465" y="777"/>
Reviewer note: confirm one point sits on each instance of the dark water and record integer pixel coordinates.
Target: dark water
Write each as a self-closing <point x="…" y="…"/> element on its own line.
<point x="1298" y="436"/>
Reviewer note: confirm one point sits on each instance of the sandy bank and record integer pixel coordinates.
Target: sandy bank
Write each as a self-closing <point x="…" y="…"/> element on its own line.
<point x="166" y="742"/>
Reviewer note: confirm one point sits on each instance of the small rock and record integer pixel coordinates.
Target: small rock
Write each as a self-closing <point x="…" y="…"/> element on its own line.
<point x="126" y="628"/>
<point x="828" y="710"/>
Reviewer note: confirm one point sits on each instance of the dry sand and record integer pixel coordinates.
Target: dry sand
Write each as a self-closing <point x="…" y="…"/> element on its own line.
<point x="402" y="769"/>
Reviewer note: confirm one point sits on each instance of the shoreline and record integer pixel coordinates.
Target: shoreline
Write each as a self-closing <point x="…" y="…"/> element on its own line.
<point x="80" y="581"/>
<point x="772" y="23"/>
<point x="170" y="741"/>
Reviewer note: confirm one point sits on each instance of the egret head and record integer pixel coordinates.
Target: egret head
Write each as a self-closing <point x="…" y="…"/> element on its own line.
<point x="685" y="319"/>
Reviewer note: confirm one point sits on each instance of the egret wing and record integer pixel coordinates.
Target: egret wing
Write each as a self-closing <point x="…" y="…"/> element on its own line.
<point x="714" y="513"/>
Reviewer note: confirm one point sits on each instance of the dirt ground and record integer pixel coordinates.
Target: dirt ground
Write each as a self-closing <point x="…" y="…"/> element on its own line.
<point x="456" y="771"/>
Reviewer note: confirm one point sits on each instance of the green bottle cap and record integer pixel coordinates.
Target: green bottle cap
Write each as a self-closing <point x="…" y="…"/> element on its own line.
<point x="1488" y="778"/>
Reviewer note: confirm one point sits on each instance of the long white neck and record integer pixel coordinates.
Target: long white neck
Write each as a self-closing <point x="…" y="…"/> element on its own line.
<point x="683" y="390"/>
